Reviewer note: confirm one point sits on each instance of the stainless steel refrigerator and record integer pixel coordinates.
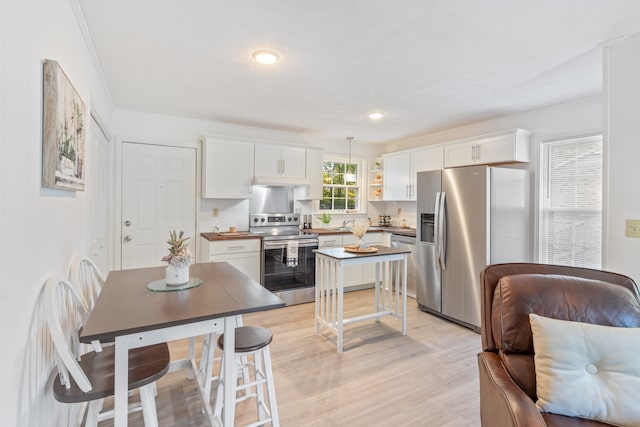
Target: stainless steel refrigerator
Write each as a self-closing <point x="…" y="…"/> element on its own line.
<point x="467" y="218"/>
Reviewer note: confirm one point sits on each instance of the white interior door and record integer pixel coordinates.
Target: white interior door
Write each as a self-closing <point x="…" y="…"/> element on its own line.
<point x="98" y="191"/>
<point x="158" y="195"/>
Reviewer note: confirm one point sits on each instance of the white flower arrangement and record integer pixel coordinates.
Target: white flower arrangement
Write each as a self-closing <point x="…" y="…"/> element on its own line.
<point x="179" y="255"/>
<point x="359" y="230"/>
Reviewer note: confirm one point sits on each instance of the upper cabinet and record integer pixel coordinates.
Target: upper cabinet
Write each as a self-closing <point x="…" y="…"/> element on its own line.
<point x="227" y="169"/>
<point x="313" y="191"/>
<point x="397" y="176"/>
<point x="280" y="164"/>
<point x="505" y="147"/>
<point x="400" y="171"/>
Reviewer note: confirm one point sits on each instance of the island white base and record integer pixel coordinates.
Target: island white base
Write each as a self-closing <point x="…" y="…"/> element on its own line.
<point x="390" y="288"/>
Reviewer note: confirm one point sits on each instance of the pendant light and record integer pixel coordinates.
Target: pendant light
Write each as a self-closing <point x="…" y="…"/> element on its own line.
<point x="351" y="177"/>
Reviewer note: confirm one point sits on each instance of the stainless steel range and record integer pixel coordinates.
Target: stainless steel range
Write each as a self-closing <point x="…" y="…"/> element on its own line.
<point x="288" y="264"/>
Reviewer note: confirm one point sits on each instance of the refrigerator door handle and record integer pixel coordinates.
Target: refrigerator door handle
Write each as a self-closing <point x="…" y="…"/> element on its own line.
<point x="436" y="228"/>
<point x="442" y="238"/>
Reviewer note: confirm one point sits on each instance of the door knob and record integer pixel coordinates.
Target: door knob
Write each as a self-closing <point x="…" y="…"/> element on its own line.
<point x="127" y="223"/>
<point x="127" y="238"/>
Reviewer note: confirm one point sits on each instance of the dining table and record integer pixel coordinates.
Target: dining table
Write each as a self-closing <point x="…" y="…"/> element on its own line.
<point x="136" y="308"/>
<point x="390" y="286"/>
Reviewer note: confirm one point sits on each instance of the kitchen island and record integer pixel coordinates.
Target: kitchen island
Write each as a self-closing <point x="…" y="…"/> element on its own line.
<point x="390" y="287"/>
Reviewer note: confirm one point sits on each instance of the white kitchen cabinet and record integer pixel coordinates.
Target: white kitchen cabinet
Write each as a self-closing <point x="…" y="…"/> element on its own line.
<point x="368" y="271"/>
<point x="279" y="164"/>
<point x="243" y="254"/>
<point x="227" y="169"/>
<point x="314" y="159"/>
<point x="504" y="147"/>
<point x="352" y="273"/>
<point x="397" y="176"/>
<point x="330" y="241"/>
<point x="400" y="171"/>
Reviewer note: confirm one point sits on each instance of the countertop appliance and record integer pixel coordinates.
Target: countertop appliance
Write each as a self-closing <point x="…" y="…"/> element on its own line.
<point x="409" y="243"/>
<point x="288" y="263"/>
<point x="467" y="218"/>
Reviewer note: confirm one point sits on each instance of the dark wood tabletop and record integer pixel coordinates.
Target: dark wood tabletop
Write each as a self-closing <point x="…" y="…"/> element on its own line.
<point x="126" y="306"/>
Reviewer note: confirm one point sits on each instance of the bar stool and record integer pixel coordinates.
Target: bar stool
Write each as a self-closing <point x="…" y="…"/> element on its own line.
<point x="252" y="342"/>
<point x="208" y="359"/>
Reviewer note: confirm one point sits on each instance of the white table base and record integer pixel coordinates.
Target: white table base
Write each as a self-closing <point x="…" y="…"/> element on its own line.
<point x="141" y="339"/>
<point x="390" y="291"/>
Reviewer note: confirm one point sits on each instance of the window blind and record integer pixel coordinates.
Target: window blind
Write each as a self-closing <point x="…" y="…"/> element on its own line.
<point x="571" y="205"/>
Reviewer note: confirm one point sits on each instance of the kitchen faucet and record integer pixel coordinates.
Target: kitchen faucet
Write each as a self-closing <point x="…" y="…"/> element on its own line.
<point x="348" y="221"/>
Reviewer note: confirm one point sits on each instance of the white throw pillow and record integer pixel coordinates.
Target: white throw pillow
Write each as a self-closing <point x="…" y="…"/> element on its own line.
<point x="587" y="371"/>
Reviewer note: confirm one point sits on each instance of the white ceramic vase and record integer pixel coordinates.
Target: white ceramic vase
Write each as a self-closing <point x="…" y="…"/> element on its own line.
<point x="177" y="275"/>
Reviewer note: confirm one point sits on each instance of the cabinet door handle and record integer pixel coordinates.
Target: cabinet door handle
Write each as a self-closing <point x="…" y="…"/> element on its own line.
<point x="478" y="152"/>
<point x="282" y="166"/>
<point x="236" y="247"/>
<point x="473" y="151"/>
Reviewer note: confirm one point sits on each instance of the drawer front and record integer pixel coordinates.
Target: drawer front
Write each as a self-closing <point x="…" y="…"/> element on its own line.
<point x="370" y="238"/>
<point x="234" y="246"/>
<point x="330" y="241"/>
<point x="249" y="264"/>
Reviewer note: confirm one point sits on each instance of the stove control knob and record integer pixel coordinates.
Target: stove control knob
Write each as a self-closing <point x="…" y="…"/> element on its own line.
<point x="295" y="219"/>
<point x="289" y="219"/>
<point x="261" y="219"/>
<point x="255" y="219"/>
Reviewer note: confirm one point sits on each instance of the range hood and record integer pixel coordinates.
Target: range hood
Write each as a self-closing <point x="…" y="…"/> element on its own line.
<point x="271" y="199"/>
<point x="279" y="182"/>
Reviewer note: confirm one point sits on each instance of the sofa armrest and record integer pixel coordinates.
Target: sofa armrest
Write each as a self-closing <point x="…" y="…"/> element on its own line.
<point x="502" y="402"/>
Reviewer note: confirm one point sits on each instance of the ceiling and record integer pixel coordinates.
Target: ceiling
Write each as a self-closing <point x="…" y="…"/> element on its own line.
<point x="429" y="65"/>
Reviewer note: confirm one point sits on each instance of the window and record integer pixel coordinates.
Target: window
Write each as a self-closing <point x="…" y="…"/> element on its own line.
<point x="340" y="186"/>
<point x="571" y="205"/>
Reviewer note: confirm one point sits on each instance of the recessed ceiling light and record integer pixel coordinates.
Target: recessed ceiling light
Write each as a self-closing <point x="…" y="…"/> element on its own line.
<point x="376" y="116"/>
<point x="267" y="57"/>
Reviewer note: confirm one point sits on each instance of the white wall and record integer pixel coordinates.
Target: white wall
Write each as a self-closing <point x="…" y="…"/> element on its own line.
<point x="580" y="117"/>
<point x="136" y="126"/>
<point x="622" y="104"/>
<point x="42" y="228"/>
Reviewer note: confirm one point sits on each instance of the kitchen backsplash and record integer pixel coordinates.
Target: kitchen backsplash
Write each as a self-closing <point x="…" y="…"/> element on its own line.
<point x="231" y="213"/>
<point x="235" y="213"/>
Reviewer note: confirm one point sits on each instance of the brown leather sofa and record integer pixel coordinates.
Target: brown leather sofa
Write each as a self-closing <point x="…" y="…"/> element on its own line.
<point x="507" y="372"/>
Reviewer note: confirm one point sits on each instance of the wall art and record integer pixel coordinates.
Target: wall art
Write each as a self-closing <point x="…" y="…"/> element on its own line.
<point x="63" y="131"/>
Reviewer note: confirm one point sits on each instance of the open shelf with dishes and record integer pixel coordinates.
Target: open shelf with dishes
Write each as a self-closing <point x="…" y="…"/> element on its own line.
<point x="376" y="184"/>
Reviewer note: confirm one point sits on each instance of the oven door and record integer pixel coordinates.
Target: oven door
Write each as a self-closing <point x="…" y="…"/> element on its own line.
<point x="278" y="277"/>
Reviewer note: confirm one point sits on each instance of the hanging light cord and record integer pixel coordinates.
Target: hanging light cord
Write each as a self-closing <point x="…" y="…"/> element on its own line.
<point x="349" y="138"/>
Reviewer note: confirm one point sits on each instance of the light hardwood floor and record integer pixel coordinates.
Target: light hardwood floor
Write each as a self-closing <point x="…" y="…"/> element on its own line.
<point x="427" y="378"/>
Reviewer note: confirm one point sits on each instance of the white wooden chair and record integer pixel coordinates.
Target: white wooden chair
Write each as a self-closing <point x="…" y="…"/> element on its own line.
<point x="89" y="377"/>
<point x="85" y="275"/>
